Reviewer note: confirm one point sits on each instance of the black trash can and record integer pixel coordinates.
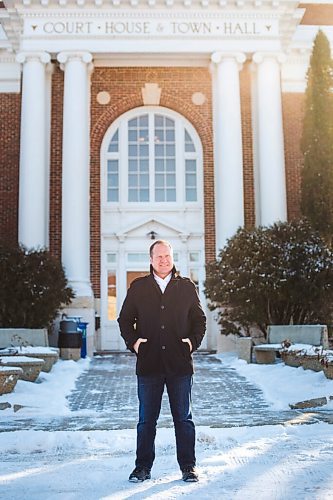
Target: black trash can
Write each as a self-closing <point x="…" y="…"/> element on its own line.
<point x="70" y="340"/>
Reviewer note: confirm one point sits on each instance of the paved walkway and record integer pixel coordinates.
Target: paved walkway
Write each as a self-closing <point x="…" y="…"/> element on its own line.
<point x="106" y="395"/>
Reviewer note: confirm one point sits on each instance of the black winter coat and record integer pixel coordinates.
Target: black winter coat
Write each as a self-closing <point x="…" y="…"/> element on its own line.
<point x="163" y="319"/>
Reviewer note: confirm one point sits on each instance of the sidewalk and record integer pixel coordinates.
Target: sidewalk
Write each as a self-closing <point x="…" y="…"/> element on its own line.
<point x="105" y="399"/>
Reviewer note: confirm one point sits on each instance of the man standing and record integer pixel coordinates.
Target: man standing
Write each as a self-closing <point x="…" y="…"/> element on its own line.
<point x="162" y="321"/>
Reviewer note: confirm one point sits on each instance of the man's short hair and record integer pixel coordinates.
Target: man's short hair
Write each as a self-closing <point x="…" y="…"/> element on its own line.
<point x="159" y="242"/>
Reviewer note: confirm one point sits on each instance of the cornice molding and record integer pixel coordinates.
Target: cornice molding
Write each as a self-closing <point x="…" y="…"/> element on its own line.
<point x="125" y="14"/>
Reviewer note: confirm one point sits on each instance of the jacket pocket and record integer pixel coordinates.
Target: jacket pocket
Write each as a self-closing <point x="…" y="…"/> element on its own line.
<point x="186" y="349"/>
<point x="142" y="351"/>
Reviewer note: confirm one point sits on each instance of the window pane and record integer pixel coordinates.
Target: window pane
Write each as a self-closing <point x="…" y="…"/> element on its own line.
<point x="191" y="194"/>
<point x="159" y="135"/>
<point x="158" y="121"/>
<point x="194" y="256"/>
<point x="113" y="146"/>
<point x="112" y="296"/>
<point x="143" y="135"/>
<point x="144" y="165"/>
<point x="133" y="123"/>
<point x="165" y="150"/>
<point x="143" y="121"/>
<point x="159" y="180"/>
<point x="132" y="195"/>
<point x="132" y="165"/>
<point x="191" y="165"/>
<point x="132" y="135"/>
<point x="143" y="150"/>
<point x="144" y="180"/>
<point x="159" y="194"/>
<point x="144" y="195"/>
<point x="138" y="257"/>
<point x="170" y="150"/>
<point x="171" y="180"/>
<point x="171" y="165"/>
<point x="171" y="195"/>
<point x="132" y="180"/>
<point x="189" y="146"/>
<point x="113" y="195"/>
<point x="170" y="135"/>
<point x="111" y="258"/>
<point x="138" y="152"/>
<point x="159" y="150"/>
<point x="191" y="180"/>
<point x="132" y="150"/>
<point x="112" y="180"/>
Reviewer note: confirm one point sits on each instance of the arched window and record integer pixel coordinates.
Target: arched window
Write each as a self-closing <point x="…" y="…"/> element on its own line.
<point x="152" y="156"/>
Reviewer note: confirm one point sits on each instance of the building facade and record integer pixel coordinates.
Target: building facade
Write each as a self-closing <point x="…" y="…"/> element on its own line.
<point x="123" y="121"/>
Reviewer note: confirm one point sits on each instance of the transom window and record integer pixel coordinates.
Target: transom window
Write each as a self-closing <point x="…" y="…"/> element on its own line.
<point x="152" y="157"/>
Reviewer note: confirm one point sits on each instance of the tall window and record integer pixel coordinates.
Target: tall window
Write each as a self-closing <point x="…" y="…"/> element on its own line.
<point x="152" y="157"/>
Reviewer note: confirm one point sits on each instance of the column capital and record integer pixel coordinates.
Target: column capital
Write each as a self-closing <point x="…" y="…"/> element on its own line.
<point x="64" y="57"/>
<point x="259" y="57"/>
<point x="218" y="57"/>
<point x="43" y="57"/>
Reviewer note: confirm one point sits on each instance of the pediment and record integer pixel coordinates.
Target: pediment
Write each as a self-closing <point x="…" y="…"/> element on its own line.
<point x="153" y="228"/>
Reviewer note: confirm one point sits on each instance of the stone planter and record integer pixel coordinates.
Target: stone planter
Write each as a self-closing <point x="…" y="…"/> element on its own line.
<point x="50" y="355"/>
<point x="8" y="378"/>
<point x="311" y="363"/>
<point x="31" y="367"/>
<point x="291" y="358"/>
<point x="328" y="370"/>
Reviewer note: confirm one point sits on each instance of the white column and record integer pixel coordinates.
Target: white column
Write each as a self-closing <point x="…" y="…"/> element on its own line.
<point x="75" y="171"/>
<point x="32" y="227"/>
<point x="229" y="197"/>
<point x="271" y="171"/>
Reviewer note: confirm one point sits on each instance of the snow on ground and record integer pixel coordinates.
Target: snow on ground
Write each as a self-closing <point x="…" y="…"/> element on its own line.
<point x="283" y="384"/>
<point x="47" y="396"/>
<point x="288" y="462"/>
<point x="258" y="463"/>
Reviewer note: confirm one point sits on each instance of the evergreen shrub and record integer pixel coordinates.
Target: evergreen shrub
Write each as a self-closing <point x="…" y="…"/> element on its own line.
<point x="33" y="287"/>
<point x="281" y="274"/>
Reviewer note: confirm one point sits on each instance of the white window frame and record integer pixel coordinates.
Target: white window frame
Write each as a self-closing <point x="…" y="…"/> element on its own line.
<point x="181" y="123"/>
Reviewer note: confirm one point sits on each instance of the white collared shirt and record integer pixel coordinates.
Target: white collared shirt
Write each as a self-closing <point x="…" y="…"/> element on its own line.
<point x="162" y="283"/>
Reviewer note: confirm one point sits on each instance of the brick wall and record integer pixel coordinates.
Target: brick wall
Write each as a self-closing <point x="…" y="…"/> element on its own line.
<point x="10" y="110"/>
<point x="248" y="177"/>
<point x="292" y="104"/>
<point x="124" y="86"/>
<point x="56" y="161"/>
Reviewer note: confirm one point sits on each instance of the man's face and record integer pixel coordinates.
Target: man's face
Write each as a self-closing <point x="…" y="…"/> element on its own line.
<point x="162" y="260"/>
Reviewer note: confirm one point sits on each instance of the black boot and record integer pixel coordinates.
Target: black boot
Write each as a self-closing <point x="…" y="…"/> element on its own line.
<point x="139" y="474"/>
<point x="190" y="474"/>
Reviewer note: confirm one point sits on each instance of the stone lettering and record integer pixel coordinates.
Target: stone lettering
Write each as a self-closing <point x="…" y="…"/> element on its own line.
<point x="184" y="28"/>
<point x="73" y="27"/>
<point x="129" y="28"/>
<point x="240" y="29"/>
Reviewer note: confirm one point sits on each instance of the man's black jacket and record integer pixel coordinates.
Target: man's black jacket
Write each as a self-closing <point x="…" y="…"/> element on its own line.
<point x="163" y="319"/>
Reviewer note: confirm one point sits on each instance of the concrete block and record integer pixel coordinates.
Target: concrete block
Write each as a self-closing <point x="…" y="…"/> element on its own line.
<point x="244" y="348"/>
<point x="23" y="336"/>
<point x="298" y="334"/>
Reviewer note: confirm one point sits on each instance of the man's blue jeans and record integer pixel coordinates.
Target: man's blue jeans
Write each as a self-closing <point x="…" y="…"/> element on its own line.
<point x="150" y="391"/>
